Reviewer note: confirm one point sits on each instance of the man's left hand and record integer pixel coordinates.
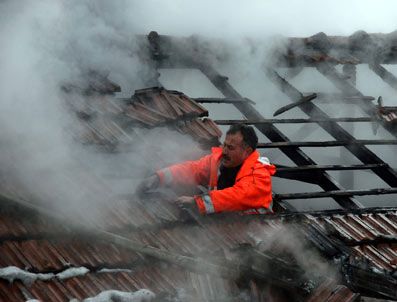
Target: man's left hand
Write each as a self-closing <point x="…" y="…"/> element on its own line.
<point x="185" y="200"/>
<point x="187" y="206"/>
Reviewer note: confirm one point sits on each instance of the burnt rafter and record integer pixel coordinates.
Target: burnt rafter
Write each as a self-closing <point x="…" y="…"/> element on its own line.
<point x="296" y="121"/>
<point x="223" y="100"/>
<point x="386" y="173"/>
<point x="329" y="144"/>
<point x="307" y="195"/>
<point x="327" y="167"/>
<point x="341" y="97"/>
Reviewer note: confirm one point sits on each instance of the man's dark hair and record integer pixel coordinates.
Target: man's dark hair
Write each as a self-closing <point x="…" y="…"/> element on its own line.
<point x="248" y="133"/>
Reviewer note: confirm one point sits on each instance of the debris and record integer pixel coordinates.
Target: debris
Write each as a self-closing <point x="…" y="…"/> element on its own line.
<point x="302" y="101"/>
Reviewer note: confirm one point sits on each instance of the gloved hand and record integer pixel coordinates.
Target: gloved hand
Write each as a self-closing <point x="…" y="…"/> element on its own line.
<point x="149" y="183"/>
<point x="185" y="200"/>
<point x="188" y="208"/>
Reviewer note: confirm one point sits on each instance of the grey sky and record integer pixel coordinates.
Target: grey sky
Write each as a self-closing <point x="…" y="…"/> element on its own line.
<point x="261" y="17"/>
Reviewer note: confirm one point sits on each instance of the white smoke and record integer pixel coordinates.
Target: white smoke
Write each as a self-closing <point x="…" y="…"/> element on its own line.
<point x="47" y="44"/>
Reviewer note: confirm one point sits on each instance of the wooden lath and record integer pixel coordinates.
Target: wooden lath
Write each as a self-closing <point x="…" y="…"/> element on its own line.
<point x="358" y="143"/>
<point x="366" y="156"/>
<point x="296" y="121"/>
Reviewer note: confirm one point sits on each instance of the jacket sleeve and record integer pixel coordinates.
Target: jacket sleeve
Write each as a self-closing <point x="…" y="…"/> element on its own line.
<point x="251" y="191"/>
<point x="187" y="173"/>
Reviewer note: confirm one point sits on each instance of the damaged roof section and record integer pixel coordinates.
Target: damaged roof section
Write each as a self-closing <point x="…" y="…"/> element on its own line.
<point x="359" y="244"/>
<point x="115" y="122"/>
<point x="157" y="106"/>
<point x="152" y="243"/>
<point x="359" y="48"/>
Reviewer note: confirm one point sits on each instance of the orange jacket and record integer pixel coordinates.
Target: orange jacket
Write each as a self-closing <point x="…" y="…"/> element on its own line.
<point x="252" y="190"/>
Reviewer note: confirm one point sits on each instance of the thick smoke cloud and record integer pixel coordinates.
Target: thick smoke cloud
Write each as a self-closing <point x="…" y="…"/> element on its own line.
<point x="262" y="18"/>
<point x="47" y="44"/>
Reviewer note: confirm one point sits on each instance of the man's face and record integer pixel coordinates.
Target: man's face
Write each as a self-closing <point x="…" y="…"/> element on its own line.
<point x="234" y="150"/>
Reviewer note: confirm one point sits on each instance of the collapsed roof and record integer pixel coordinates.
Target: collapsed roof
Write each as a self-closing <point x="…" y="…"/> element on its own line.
<point x="153" y="244"/>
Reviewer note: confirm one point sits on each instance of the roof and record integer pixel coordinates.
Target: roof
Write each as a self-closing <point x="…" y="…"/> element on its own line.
<point x="358" y="48"/>
<point x="135" y="243"/>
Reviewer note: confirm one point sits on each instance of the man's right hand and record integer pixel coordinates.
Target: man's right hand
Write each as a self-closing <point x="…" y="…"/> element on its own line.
<point x="148" y="184"/>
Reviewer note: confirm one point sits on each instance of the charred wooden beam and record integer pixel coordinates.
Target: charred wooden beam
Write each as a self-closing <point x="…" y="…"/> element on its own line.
<point x="326" y="167"/>
<point x="329" y="144"/>
<point x="360" y="211"/>
<point x="296" y="121"/>
<point x="307" y="195"/>
<point x="345" y="98"/>
<point x="223" y="100"/>
<point x="303" y="100"/>
<point x="384" y="74"/>
<point x="321" y="98"/>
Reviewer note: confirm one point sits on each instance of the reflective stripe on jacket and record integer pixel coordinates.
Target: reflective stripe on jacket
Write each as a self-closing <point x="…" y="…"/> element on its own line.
<point x="251" y="192"/>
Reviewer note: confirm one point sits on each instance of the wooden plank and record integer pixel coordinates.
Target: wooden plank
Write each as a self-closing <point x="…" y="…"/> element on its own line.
<point x="308" y="195"/>
<point x="296" y="121"/>
<point x="223" y="100"/>
<point x="328" y="143"/>
<point x="327" y="167"/>
<point x="302" y="100"/>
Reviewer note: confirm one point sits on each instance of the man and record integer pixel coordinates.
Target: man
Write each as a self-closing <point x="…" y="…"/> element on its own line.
<point x="236" y="177"/>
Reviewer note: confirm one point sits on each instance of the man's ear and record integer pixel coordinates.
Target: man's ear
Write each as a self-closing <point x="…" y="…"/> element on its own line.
<point x="249" y="149"/>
